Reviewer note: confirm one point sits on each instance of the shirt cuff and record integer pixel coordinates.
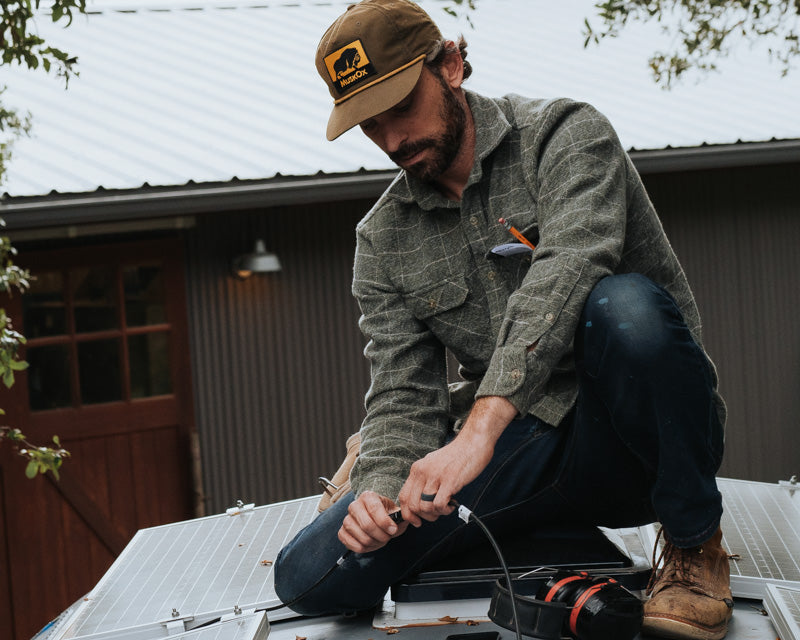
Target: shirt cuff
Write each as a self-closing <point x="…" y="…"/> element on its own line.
<point x="383" y="485"/>
<point x="507" y="376"/>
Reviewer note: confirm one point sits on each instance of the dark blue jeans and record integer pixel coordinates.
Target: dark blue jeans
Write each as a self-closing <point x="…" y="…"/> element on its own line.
<point x="643" y="443"/>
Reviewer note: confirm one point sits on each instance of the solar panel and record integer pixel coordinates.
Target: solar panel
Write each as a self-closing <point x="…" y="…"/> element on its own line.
<point x="783" y="606"/>
<point x="761" y="529"/>
<point x="179" y="576"/>
<point x="176" y="578"/>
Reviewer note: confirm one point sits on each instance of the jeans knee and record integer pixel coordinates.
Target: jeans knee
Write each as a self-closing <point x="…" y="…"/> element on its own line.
<point x="292" y="589"/>
<point x="632" y="315"/>
<point x="282" y="572"/>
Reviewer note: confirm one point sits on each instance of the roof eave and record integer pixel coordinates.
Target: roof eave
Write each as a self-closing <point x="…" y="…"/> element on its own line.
<point x="142" y="204"/>
<point x="720" y="156"/>
<point x="148" y="203"/>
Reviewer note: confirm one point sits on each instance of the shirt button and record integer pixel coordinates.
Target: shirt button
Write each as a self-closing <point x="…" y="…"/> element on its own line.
<point x="490" y="275"/>
<point x="549" y="316"/>
<point x="515" y="374"/>
<point x="473" y="221"/>
<point x="432" y="303"/>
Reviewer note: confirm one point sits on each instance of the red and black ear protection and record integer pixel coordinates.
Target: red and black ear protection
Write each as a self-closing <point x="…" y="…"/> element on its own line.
<point x="571" y="604"/>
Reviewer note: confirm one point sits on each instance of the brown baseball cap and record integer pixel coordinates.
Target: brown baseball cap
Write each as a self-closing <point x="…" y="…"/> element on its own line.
<point x="372" y="57"/>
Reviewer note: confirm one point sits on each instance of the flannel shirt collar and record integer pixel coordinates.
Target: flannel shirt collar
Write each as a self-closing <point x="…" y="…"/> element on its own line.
<point x="491" y="127"/>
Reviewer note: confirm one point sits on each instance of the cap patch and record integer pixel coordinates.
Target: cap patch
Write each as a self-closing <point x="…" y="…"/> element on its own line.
<point x="349" y="66"/>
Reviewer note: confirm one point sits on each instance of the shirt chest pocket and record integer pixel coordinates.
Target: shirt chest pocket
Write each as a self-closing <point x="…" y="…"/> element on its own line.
<point x="440" y="304"/>
<point x="457" y="318"/>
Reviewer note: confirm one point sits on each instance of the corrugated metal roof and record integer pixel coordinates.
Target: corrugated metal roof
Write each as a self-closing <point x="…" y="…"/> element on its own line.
<point x="175" y="91"/>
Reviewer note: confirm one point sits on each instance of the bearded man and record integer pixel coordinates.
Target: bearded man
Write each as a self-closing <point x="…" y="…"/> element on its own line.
<point x="585" y="397"/>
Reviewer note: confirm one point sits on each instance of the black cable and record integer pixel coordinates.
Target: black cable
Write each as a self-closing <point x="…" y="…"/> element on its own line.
<point x="467" y="516"/>
<point x="324" y="577"/>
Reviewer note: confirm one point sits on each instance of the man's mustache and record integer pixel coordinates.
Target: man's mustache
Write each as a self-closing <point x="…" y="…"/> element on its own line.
<point x="410" y="149"/>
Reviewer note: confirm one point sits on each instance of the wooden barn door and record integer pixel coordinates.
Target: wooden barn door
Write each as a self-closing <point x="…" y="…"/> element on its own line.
<point x="109" y="374"/>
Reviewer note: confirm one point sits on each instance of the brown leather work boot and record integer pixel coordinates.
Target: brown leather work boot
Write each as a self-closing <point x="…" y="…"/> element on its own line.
<point x="690" y="595"/>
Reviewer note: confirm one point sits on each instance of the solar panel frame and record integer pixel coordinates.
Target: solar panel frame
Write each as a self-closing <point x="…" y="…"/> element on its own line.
<point x="761" y="530"/>
<point x="783" y="606"/>
<point x="252" y="625"/>
<point x="153" y="584"/>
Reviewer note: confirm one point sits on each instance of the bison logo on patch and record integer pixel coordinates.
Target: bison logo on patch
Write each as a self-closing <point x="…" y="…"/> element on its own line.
<point x="349" y="66"/>
<point x="347" y="62"/>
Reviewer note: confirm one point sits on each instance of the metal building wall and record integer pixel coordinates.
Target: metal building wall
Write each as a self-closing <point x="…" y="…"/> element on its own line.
<point x="277" y="360"/>
<point x="279" y="375"/>
<point x="737" y="233"/>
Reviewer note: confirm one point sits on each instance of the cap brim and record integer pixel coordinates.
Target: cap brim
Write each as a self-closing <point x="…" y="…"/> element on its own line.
<point x="372" y="100"/>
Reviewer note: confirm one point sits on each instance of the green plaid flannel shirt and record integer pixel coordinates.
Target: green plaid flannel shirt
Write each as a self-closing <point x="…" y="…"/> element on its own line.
<point x="426" y="281"/>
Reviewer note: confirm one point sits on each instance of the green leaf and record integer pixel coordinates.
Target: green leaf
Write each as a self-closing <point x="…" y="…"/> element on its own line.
<point x="57" y="440"/>
<point x="32" y="469"/>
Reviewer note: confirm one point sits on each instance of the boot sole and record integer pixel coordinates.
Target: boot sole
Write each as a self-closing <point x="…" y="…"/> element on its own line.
<point x="676" y="629"/>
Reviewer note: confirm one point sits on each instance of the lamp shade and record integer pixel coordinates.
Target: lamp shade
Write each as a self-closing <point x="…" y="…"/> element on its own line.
<point x="259" y="261"/>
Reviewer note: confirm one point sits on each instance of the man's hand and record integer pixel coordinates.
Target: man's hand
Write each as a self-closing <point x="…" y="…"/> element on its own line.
<point x="444" y="472"/>
<point x="367" y="526"/>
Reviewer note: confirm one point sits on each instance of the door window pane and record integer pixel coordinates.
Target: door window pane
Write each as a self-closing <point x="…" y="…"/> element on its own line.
<point x="95" y="299"/>
<point x="144" y="295"/>
<point x="98" y="333"/>
<point x="99" y="370"/>
<point x="149" y="356"/>
<point x="43" y="307"/>
<point x="48" y="377"/>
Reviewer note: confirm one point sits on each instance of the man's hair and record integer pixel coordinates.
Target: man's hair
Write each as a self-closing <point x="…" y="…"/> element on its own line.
<point x="437" y="54"/>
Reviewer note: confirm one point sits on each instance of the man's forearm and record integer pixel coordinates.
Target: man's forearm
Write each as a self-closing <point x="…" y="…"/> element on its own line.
<point x="488" y="418"/>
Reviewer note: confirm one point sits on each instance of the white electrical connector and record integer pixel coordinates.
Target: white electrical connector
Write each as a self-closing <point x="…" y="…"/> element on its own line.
<point x="464" y="513"/>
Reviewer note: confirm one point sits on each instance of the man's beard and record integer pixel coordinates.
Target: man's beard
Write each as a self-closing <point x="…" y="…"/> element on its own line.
<point x="444" y="148"/>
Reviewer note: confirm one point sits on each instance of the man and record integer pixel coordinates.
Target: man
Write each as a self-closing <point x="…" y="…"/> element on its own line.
<point x="586" y="394"/>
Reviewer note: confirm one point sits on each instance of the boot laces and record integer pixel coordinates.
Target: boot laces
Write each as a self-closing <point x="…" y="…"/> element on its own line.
<point x="674" y="565"/>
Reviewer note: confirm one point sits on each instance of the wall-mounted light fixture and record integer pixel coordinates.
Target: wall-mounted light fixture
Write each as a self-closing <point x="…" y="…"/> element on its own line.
<point x="260" y="261"/>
